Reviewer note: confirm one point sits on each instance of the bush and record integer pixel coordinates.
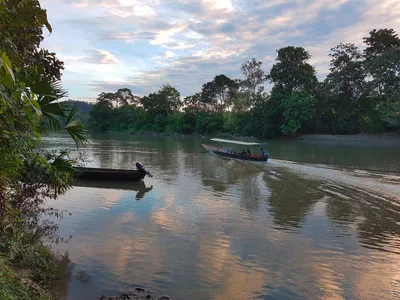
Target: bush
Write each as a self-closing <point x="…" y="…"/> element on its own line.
<point x="188" y="123"/>
<point x="209" y="123"/>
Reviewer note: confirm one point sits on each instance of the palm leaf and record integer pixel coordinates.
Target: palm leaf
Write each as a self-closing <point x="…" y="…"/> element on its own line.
<point x="76" y="130"/>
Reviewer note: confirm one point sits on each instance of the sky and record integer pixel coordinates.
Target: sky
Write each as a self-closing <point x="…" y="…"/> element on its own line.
<point x="142" y="45"/>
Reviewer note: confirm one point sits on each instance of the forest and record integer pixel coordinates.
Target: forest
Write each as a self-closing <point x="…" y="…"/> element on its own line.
<point x="361" y="94"/>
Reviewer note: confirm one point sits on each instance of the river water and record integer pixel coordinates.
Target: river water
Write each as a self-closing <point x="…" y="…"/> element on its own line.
<point x="320" y="221"/>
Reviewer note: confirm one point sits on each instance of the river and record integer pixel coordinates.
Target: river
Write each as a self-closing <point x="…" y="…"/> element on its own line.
<point x="320" y="221"/>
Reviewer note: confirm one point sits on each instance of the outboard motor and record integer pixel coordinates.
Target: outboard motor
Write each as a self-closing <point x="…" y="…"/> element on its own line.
<point x="142" y="170"/>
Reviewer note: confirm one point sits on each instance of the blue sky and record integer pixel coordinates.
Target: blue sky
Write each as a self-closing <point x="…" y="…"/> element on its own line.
<point x="141" y="45"/>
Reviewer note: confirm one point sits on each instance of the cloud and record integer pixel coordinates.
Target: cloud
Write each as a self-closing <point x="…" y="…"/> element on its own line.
<point x="186" y="43"/>
<point x="97" y="56"/>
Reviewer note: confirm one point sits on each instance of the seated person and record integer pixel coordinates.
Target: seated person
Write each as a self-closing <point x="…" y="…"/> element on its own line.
<point x="248" y="152"/>
<point x="264" y="153"/>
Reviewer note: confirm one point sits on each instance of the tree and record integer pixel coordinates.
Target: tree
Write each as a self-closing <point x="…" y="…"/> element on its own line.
<point x="297" y="108"/>
<point x="385" y="84"/>
<point x="383" y="65"/>
<point x="343" y="94"/>
<point x="125" y="97"/>
<point x="21" y="29"/>
<point x="163" y="102"/>
<point x="220" y="92"/>
<point x="106" y="99"/>
<point x="291" y="72"/>
<point x="194" y="103"/>
<point x="380" y="41"/>
<point x="254" y="77"/>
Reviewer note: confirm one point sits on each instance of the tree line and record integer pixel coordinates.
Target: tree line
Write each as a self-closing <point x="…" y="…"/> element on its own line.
<point x="361" y="94"/>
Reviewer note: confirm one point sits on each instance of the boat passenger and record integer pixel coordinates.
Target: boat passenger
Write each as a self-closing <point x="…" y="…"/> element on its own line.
<point x="248" y="152"/>
<point x="243" y="152"/>
<point x="264" y="153"/>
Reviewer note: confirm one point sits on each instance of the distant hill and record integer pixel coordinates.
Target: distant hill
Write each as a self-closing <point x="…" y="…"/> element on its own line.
<point x="83" y="109"/>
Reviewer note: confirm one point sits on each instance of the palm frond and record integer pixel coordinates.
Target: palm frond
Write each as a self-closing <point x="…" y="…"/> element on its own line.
<point x="76" y="130"/>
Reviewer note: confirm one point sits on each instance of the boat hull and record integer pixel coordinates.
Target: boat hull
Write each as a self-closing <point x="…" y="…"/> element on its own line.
<point x="223" y="153"/>
<point x="109" y="174"/>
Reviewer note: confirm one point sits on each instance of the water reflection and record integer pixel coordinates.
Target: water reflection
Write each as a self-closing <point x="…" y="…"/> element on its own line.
<point x="211" y="229"/>
<point x="138" y="186"/>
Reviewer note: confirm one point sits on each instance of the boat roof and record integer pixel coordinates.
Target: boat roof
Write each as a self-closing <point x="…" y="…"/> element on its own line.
<point x="235" y="142"/>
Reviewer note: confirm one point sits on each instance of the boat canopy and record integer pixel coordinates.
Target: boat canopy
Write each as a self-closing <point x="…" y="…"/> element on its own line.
<point x="235" y="142"/>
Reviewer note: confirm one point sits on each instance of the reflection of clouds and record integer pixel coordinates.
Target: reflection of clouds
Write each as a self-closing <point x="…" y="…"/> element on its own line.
<point x="168" y="220"/>
<point x="110" y="198"/>
<point x="379" y="276"/>
<point x="328" y="280"/>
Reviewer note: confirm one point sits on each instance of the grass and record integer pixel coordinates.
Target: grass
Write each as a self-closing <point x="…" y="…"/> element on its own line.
<point x="14" y="287"/>
<point x="27" y="266"/>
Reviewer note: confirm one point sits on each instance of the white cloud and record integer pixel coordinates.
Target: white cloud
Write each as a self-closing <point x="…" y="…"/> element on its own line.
<point x="169" y="54"/>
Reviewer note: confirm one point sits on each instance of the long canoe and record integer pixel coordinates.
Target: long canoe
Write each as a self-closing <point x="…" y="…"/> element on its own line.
<point x="109" y="174"/>
<point x="233" y="155"/>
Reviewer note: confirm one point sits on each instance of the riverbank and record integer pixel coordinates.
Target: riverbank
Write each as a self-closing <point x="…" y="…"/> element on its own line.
<point x="136" y="294"/>
<point x="28" y="268"/>
<point x="351" y="138"/>
<point x="391" y="136"/>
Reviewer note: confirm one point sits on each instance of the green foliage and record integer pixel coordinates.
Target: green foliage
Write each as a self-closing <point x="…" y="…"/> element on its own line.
<point x="30" y="91"/>
<point x="291" y="72"/>
<point x="219" y="93"/>
<point x="163" y="102"/>
<point x="379" y="41"/>
<point x="188" y="123"/>
<point x="298" y="107"/>
<point x="21" y="31"/>
<point x="209" y="123"/>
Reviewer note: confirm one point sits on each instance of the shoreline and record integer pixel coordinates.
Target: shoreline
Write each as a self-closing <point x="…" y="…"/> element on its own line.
<point x="351" y="138"/>
<point x="392" y="136"/>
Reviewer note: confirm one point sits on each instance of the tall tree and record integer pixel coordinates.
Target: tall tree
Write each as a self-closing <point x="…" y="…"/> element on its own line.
<point x="250" y="86"/>
<point x="380" y="41"/>
<point x="291" y="72"/>
<point x="219" y="92"/>
<point x="194" y="103"/>
<point x="125" y="97"/>
<point x="342" y="95"/>
<point x="106" y="99"/>
<point x="385" y="72"/>
<point x="163" y="102"/>
<point x="254" y="77"/>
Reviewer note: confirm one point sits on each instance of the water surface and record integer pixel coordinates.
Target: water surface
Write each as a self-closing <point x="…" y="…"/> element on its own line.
<point x="321" y="221"/>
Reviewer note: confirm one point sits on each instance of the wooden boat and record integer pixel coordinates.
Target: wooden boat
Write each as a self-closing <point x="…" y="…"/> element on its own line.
<point x="112" y="174"/>
<point x="230" y="154"/>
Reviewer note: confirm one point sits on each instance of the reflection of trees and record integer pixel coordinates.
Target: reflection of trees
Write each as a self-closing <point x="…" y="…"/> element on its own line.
<point x="377" y="219"/>
<point x="62" y="277"/>
<point x="291" y="199"/>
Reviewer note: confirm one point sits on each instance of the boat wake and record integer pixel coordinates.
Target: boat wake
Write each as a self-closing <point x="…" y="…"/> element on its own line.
<point x="377" y="183"/>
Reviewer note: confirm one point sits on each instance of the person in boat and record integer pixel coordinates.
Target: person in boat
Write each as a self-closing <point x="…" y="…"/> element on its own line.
<point x="248" y="152"/>
<point x="264" y="153"/>
<point x="243" y="152"/>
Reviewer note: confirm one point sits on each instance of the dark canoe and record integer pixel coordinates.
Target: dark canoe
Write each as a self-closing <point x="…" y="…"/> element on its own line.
<point x="232" y="155"/>
<point x="109" y="174"/>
